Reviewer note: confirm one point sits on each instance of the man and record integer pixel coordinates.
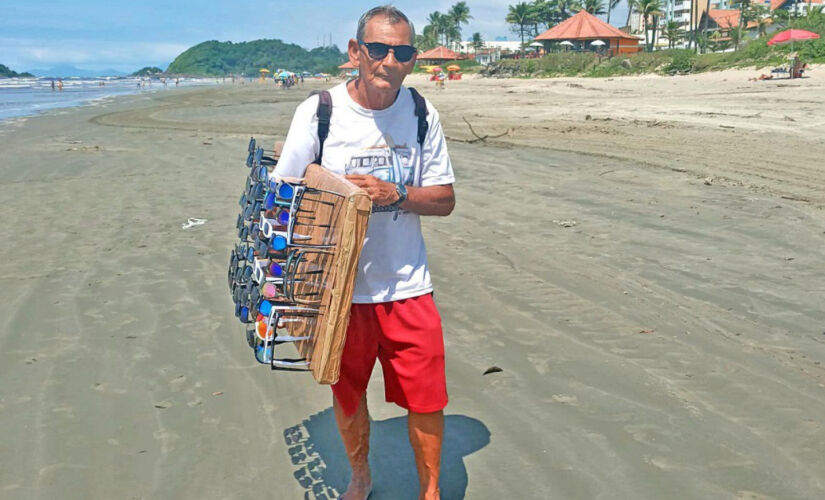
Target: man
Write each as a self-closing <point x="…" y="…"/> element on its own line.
<point x="373" y="140"/>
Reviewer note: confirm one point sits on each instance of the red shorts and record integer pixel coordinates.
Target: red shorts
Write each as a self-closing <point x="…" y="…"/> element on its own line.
<point x="406" y="337"/>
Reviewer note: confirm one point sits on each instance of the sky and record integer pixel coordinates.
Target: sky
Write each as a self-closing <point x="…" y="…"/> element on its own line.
<point x="128" y="35"/>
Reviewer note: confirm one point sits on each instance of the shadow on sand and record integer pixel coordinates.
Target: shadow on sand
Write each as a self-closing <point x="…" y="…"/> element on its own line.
<point x="323" y="471"/>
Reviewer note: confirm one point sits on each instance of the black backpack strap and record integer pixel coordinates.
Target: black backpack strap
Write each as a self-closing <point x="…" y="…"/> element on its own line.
<point x="324" y="113"/>
<point x="421" y="113"/>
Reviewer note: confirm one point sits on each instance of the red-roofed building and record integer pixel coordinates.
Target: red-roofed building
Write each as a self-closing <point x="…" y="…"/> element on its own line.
<point x="724" y="20"/>
<point x="584" y="28"/>
<point x="348" y="69"/>
<point x="438" y="55"/>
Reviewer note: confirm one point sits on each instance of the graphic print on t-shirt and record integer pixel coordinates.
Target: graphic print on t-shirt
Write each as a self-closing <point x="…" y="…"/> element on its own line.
<point x="378" y="162"/>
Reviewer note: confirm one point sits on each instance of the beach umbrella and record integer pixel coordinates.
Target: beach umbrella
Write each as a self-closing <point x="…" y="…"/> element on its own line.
<point x="597" y="43"/>
<point x="436" y="69"/>
<point x="454" y="67"/>
<point x="284" y="74"/>
<point x="263" y="70"/>
<point x="568" y="43"/>
<point x="792" y="35"/>
<point x="537" y="44"/>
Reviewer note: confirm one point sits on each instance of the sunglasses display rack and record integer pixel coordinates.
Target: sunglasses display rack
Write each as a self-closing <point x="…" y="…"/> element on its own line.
<point x="288" y="256"/>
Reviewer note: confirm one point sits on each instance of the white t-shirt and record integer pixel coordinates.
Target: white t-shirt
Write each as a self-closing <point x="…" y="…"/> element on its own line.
<point x="383" y="143"/>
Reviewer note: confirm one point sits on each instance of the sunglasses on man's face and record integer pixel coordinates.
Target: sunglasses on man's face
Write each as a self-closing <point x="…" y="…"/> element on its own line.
<point x="378" y="51"/>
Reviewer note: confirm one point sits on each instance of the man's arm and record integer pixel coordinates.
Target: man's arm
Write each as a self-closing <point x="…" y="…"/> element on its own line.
<point x="428" y="200"/>
<point x="301" y="144"/>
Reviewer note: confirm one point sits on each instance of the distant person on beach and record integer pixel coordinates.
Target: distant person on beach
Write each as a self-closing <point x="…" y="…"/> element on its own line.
<point x="60" y="85"/>
<point x="374" y="140"/>
<point x="52" y="85"/>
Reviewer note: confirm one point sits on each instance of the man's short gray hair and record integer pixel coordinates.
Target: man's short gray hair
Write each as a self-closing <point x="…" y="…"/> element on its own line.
<point x="392" y="14"/>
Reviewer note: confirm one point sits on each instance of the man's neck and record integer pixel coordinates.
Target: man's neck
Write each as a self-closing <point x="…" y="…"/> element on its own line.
<point x="360" y="93"/>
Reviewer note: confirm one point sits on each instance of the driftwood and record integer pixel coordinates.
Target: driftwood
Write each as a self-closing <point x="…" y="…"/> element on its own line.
<point x="485" y="137"/>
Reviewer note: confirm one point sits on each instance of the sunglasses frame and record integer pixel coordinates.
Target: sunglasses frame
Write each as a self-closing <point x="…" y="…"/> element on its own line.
<point x="386" y="48"/>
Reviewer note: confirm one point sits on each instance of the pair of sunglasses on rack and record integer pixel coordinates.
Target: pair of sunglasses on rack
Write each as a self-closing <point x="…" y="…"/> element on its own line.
<point x="378" y="51"/>
<point x="267" y="270"/>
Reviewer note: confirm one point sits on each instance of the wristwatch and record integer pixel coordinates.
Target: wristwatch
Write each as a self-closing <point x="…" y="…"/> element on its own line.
<point x="401" y="189"/>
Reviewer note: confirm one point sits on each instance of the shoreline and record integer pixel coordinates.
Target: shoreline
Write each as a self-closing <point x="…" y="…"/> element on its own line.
<point x="76" y="100"/>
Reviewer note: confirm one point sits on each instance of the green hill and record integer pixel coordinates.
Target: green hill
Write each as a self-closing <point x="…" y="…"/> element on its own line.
<point x="148" y="71"/>
<point x="215" y="58"/>
<point x="5" y="72"/>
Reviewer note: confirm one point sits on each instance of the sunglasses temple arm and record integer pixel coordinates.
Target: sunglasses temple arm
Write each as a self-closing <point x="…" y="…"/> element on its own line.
<point x="282" y="339"/>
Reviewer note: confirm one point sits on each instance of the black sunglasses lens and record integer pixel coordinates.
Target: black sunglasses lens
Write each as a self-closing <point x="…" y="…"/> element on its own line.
<point x="404" y="53"/>
<point x="378" y="50"/>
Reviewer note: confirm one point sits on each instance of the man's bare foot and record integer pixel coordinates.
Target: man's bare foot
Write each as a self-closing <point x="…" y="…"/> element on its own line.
<point x="430" y="495"/>
<point x="360" y="486"/>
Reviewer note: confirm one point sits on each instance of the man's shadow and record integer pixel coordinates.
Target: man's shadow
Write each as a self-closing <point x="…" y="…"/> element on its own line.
<point x="322" y="469"/>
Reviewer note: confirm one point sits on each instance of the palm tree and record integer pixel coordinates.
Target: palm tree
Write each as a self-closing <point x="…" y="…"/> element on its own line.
<point x="452" y="34"/>
<point x="650" y="10"/>
<point x="760" y="15"/>
<point x="544" y="13"/>
<point x="477" y="42"/>
<point x="705" y="27"/>
<point x="442" y="26"/>
<point x="564" y="8"/>
<point x="611" y="4"/>
<point x="673" y="32"/>
<point x="434" y="23"/>
<point x="744" y="12"/>
<point x="595" y="7"/>
<point x="520" y="16"/>
<point x="459" y="14"/>
<point x="737" y="33"/>
<point x="427" y="40"/>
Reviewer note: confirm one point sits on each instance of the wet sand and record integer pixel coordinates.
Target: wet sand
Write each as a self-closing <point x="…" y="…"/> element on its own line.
<point x="649" y="280"/>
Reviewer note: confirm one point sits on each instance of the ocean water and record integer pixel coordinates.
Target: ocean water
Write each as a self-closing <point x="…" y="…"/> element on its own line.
<point x="29" y="96"/>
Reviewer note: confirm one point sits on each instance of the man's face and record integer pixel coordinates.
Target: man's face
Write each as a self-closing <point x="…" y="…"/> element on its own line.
<point x="385" y="75"/>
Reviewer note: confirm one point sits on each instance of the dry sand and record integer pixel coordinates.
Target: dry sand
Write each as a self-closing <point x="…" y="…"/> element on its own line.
<point x="654" y="298"/>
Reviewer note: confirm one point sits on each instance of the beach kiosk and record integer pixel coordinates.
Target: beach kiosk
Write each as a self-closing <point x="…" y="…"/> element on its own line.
<point x="438" y="55"/>
<point x="348" y="69"/>
<point x="454" y="72"/>
<point x="583" y="29"/>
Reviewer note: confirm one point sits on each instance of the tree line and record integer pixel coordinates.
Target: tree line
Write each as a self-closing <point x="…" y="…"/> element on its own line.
<point x="444" y="28"/>
<point x="529" y="19"/>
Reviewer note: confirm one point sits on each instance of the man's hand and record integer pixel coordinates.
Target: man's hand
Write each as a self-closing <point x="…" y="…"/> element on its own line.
<point x="381" y="193"/>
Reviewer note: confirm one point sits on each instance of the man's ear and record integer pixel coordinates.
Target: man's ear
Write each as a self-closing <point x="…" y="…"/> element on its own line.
<point x="353" y="52"/>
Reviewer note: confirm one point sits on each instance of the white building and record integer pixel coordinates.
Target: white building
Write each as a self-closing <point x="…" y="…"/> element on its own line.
<point x="501" y="45"/>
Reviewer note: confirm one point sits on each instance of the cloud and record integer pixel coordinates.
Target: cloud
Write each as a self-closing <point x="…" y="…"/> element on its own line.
<point x="29" y="53"/>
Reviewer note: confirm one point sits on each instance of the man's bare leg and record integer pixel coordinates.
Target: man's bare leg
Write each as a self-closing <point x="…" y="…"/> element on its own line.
<point x="426" y="434"/>
<point x="355" y="433"/>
